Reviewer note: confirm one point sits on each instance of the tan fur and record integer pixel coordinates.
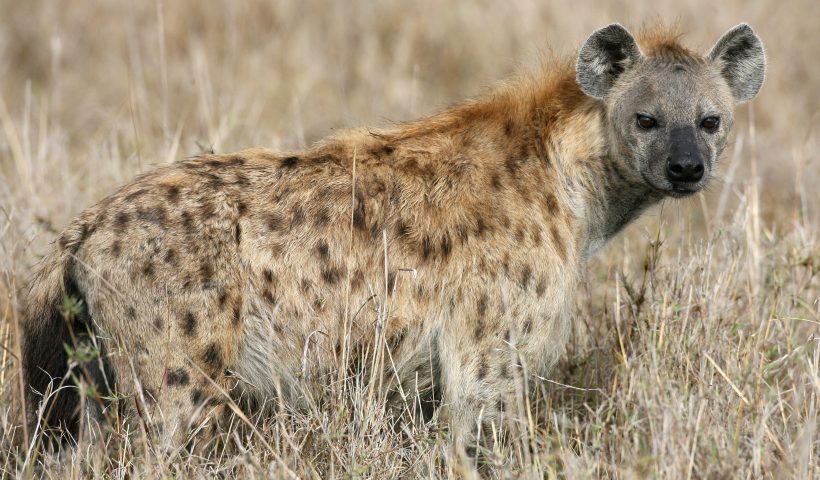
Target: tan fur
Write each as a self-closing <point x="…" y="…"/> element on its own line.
<point x="266" y="271"/>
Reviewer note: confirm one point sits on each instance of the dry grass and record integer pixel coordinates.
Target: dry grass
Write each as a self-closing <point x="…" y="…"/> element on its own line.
<point x="696" y="351"/>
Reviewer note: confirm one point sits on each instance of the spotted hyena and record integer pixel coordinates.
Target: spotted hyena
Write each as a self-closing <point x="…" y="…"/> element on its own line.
<point x="439" y="255"/>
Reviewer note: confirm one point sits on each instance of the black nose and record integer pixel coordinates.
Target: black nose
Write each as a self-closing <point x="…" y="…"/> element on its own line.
<point x="684" y="168"/>
<point x="685" y="163"/>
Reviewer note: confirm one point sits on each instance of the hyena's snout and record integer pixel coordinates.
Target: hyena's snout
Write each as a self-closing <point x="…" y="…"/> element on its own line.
<point x="684" y="165"/>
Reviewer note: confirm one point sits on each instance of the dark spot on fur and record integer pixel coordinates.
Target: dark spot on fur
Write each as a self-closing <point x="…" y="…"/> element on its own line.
<point x="148" y="269"/>
<point x="237" y="312"/>
<point x="172" y="193"/>
<point x="322" y="218"/>
<point x="268" y="274"/>
<point x="559" y="242"/>
<point x="391" y="282"/>
<point x="178" y="377"/>
<point x="155" y="215"/>
<point x="508" y="128"/>
<point x="306" y="285"/>
<point x="213" y="357"/>
<point x="551" y="202"/>
<point x="235" y="162"/>
<point x="511" y="164"/>
<point x="471" y="451"/>
<point x="319" y="303"/>
<point x="273" y="222"/>
<point x="331" y="275"/>
<point x="241" y="208"/>
<point x="375" y="230"/>
<point x="402" y="230"/>
<point x="519" y="235"/>
<point x="223" y="299"/>
<point x="481" y="305"/>
<point x="478" y="330"/>
<point x="495" y="181"/>
<point x="188" y="324"/>
<point x="326" y="158"/>
<point x="206" y="273"/>
<point x="158" y="323"/>
<point x="237" y="233"/>
<point x="268" y="296"/>
<point x="207" y="209"/>
<point x="541" y="287"/>
<point x="170" y="257"/>
<point x="121" y="221"/>
<point x="298" y="217"/>
<point x="481" y="227"/>
<point x="446" y="246"/>
<point x="426" y="247"/>
<point x="359" y="211"/>
<point x="289" y="163"/>
<point x="131" y="312"/>
<point x="323" y="249"/>
<point x="357" y="280"/>
<point x="526" y="276"/>
<point x="116" y="249"/>
<point x="187" y="221"/>
<point x="196" y="396"/>
<point x="536" y="235"/>
<point x="483" y="368"/>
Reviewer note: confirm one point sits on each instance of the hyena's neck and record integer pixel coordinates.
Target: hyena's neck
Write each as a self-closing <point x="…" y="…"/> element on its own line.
<point x="605" y="193"/>
<point x="619" y="200"/>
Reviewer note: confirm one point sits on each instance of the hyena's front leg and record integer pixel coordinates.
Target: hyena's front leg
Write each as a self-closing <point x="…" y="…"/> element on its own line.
<point x="483" y="389"/>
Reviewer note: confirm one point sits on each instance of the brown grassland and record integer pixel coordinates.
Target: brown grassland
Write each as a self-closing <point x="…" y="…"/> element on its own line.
<point x="696" y="343"/>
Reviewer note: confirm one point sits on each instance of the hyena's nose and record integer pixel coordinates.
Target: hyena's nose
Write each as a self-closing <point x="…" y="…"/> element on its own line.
<point x="685" y="163"/>
<point x="686" y="168"/>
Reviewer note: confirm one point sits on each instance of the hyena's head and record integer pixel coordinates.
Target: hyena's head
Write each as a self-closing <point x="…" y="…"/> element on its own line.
<point x="670" y="110"/>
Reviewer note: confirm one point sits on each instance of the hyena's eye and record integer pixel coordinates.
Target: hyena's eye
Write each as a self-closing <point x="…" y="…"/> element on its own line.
<point x="710" y="124"/>
<point x="646" y="122"/>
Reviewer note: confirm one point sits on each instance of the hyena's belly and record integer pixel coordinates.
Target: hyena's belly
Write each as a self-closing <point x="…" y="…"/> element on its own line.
<point x="285" y="351"/>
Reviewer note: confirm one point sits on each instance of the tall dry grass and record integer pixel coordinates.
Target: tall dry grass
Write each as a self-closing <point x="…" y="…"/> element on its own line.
<point x="695" y="351"/>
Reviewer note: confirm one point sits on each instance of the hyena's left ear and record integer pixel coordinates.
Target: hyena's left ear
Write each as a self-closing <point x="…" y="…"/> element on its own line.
<point x="606" y="54"/>
<point x="739" y="55"/>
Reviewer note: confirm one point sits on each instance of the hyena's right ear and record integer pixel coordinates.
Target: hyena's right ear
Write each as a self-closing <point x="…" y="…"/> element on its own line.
<point x="607" y="53"/>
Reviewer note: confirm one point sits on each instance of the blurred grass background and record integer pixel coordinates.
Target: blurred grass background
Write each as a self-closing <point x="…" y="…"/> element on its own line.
<point x="92" y="93"/>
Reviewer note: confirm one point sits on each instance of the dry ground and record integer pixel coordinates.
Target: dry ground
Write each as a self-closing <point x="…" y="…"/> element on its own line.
<point x="696" y="351"/>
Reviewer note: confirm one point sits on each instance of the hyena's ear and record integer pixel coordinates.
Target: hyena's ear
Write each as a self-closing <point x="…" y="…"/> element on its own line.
<point x="739" y="55"/>
<point x="607" y="53"/>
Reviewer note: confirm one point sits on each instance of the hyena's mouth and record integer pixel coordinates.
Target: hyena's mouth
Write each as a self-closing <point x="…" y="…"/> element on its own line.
<point x="681" y="190"/>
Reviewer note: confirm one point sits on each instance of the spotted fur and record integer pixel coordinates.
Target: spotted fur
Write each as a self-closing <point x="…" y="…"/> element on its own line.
<point x="455" y="241"/>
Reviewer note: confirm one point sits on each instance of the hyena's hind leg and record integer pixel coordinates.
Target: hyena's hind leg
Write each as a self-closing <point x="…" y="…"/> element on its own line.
<point x="179" y="405"/>
<point x="161" y="397"/>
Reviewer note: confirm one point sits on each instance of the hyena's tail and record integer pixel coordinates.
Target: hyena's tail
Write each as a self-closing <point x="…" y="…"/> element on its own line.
<point x="55" y="316"/>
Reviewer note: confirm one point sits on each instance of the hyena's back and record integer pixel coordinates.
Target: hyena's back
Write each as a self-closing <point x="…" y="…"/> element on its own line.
<point x="263" y="271"/>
